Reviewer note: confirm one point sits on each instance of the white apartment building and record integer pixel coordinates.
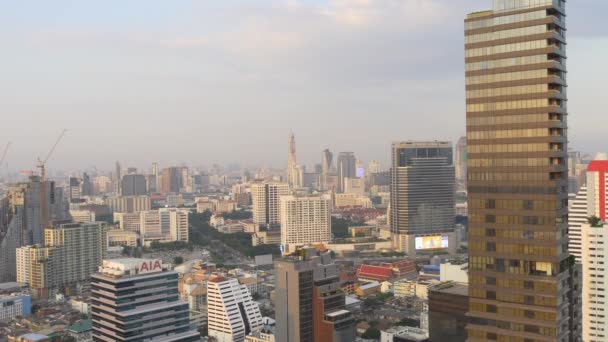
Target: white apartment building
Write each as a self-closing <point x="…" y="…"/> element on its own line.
<point x="232" y="313"/>
<point x="577" y="217"/>
<point x="594" y="257"/>
<point x="165" y="224"/>
<point x="14" y="304"/>
<point x="81" y="216"/>
<point x="128" y="204"/>
<point x="305" y="220"/>
<point x="265" y="197"/>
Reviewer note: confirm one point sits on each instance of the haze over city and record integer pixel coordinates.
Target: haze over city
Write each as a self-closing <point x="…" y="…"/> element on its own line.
<point x="225" y="81"/>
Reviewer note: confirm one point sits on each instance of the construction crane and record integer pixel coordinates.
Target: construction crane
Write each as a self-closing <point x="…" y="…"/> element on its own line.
<point x="4" y="153"/>
<point x="42" y="166"/>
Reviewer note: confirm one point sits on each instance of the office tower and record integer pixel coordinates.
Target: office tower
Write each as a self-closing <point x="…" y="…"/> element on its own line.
<point x="138" y="300"/>
<point x="87" y="186"/>
<point x="594" y="257"/>
<point x="310" y="305"/>
<point x="373" y="167"/>
<point x="171" y="181"/>
<point x="117" y="178"/>
<point x="461" y="161"/>
<point x="128" y="204"/>
<point x="133" y="185"/>
<point x="305" y="220"/>
<point x="102" y="185"/>
<point x="291" y="159"/>
<point x="577" y="217"/>
<point x="448" y="305"/>
<point x="521" y="277"/>
<point x="232" y="313"/>
<point x="327" y="160"/>
<point x="346" y="168"/>
<point x="70" y="254"/>
<point x="74" y="189"/>
<point x="266" y="203"/>
<point x="21" y="219"/>
<point x="422" y="197"/>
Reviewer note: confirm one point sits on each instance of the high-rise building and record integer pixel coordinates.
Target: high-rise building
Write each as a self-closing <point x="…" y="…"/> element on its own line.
<point x="162" y="225"/>
<point x="461" y="161"/>
<point x="310" y="304"/>
<point x="133" y="185"/>
<point x="75" y="191"/>
<point x="521" y="276"/>
<point x="128" y="204"/>
<point x="21" y="220"/>
<point x="594" y="257"/>
<point x="232" y="313"/>
<point x="87" y="185"/>
<point x="305" y="220"/>
<point x="578" y="212"/>
<point x="117" y="178"/>
<point x="171" y="180"/>
<point x="138" y="300"/>
<point x="291" y="159"/>
<point x="327" y="160"/>
<point x="71" y="253"/>
<point x="347" y="168"/>
<point x="422" y="197"/>
<point x="266" y="203"/>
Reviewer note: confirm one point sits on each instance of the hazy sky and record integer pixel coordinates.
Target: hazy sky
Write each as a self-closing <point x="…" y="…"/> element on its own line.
<point x="206" y="81"/>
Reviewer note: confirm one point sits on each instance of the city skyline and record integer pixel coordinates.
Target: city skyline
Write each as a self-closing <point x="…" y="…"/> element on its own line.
<point x="134" y="73"/>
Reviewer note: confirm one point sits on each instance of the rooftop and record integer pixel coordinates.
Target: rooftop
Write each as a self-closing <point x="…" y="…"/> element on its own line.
<point x="452" y="288"/>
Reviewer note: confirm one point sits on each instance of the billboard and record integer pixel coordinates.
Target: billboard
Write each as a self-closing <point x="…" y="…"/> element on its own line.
<point x="263" y="260"/>
<point x="431" y="242"/>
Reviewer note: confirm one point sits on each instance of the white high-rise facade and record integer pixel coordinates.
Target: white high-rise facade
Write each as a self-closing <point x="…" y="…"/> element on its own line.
<point x="265" y="197"/>
<point x="305" y="220"/>
<point x="594" y="258"/>
<point x="577" y="217"/>
<point x="232" y="313"/>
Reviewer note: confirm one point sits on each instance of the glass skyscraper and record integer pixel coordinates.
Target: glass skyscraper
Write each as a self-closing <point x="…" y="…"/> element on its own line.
<point x="522" y="280"/>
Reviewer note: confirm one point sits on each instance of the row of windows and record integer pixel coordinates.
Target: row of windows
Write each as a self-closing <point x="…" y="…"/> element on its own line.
<point x="508" y="133"/>
<point x="516" y="249"/>
<point x="506" y="48"/>
<point x="509" y="148"/>
<point x="514" y="233"/>
<point x="509" y="162"/>
<point x="507" y="77"/>
<point x="507" y="19"/>
<point x="506" y="62"/>
<point x="508" y="119"/>
<point x="513" y="312"/>
<point x="518" y="32"/>
<point x="504" y="296"/>
<point x="507" y="105"/>
<point x="514" y="220"/>
<point x="510" y="283"/>
<point x="512" y="204"/>
<point x="518" y="90"/>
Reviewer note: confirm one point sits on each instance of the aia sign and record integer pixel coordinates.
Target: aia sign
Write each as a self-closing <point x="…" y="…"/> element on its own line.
<point x="150" y="266"/>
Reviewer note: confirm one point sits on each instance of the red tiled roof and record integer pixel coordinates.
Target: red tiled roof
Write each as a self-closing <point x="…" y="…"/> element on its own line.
<point x="217" y="280"/>
<point x="374" y="272"/>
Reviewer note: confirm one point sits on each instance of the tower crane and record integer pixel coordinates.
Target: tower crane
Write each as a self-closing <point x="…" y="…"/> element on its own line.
<point x="42" y="165"/>
<point x="3" y="155"/>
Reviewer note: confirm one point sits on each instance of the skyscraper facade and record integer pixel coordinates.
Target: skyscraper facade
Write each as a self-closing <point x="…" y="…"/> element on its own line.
<point x="291" y="160"/>
<point x="305" y="220"/>
<point x="310" y="305"/>
<point x="347" y="168"/>
<point x="138" y="300"/>
<point x="461" y="161"/>
<point x="422" y="197"/>
<point x="521" y="276"/>
<point x="266" y="203"/>
<point x="171" y="180"/>
<point x="133" y="185"/>
<point x="21" y="220"/>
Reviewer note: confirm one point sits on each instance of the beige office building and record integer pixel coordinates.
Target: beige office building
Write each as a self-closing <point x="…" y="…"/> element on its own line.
<point x="305" y="220"/>
<point x="128" y="204"/>
<point x="522" y="281"/>
<point x="266" y="202"/>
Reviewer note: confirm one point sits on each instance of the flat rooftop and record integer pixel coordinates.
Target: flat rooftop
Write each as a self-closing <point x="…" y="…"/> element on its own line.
<point x="455" y="288"/>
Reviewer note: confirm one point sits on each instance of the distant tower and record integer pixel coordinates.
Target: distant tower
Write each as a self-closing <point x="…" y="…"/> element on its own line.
<point x="461" y="161"/>
<point x="291" y="159"/>
<point x="326" y="165"/>
<point x="118" y="178"/>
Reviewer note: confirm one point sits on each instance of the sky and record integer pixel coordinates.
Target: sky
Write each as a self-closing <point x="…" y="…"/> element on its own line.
<point x="207" y="81"/>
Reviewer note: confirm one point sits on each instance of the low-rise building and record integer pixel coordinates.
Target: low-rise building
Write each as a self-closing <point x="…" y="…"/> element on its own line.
<point x="15" y="304"/>
<point x="448" y="305"/>
<point x="406" y="334"/>
<point x="368" y="289"/>
<point x="119" y="237"/>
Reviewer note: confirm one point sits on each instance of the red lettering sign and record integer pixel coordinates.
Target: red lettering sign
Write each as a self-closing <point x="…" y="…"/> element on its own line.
<point x="150" y="266"/>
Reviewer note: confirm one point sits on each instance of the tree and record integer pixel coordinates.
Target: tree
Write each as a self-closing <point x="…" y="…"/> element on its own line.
<point x="595" y="221"/>
<point x="371" y="334"/>
<point x="178" y="260"/>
